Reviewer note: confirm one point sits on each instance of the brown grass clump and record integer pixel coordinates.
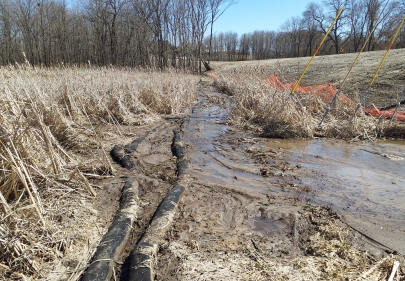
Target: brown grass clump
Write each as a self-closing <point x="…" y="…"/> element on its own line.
<point x="258" y="104"/>
<point x="53" y="136"/>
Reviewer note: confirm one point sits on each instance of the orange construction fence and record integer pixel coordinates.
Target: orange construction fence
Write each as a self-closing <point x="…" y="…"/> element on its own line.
<point x="326" y="92"/>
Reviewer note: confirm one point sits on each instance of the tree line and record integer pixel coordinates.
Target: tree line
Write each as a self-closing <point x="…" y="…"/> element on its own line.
<point x="300" y="35"/>
<point x="144" y="33"/>
<point x="179" y="33"/>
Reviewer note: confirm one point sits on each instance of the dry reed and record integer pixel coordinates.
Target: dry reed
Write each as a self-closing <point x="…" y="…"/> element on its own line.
<point x="49" y="118"/>
<point x="258" y="104"/>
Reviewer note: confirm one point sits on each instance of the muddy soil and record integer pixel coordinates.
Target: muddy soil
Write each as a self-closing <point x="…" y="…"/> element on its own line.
<point x="250" y="214"/>
<point x="386" y="89"/>
<point x="155" y="171"/>
<point x="254" y="208"/>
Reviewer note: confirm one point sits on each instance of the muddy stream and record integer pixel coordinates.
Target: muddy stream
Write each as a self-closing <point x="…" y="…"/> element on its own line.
<point x="363" y="182"/>
<point x="253" y="208"/>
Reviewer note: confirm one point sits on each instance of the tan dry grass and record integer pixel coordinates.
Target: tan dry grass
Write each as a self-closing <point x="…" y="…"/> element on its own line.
<point x="268" y="110"/>
<point x="48" y="117"/>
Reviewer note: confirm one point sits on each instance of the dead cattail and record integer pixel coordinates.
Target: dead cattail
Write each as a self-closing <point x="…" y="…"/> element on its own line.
<point x="49" y="118"/>
<point x="263" y="105"/>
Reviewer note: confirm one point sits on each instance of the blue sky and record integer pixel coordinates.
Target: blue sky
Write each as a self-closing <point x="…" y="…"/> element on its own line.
<point x="250" y="15"/>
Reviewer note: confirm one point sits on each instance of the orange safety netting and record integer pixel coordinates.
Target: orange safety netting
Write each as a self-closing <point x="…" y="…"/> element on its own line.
<point x="212" y="75"/>
<point x="326" y="92"/>
<point x="400" y="115"/>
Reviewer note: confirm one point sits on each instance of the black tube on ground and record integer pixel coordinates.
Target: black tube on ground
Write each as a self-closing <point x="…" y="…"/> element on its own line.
<point x="113" y="243"/>
<point x="133" y="145"/>
<point x="179" y="151"/>
<point x="143" y="257"/>
<point x="118" y="155"/>
<point x="177" y="146"/>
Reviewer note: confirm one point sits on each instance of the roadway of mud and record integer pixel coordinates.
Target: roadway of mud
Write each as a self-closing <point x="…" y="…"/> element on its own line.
<point x="250" y="193"/>
<point x="252" y="203"/>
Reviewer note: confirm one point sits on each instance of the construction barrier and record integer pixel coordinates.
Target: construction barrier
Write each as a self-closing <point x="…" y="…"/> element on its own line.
<point x="326" y="92"/>
<point x="400" y="115"/>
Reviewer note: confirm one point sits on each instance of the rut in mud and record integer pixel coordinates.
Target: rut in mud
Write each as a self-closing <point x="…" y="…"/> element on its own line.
<point x="248" y="211"/>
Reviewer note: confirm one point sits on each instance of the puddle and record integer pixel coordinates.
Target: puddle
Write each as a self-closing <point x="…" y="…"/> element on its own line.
<point x="204" y="126"/>
<point x="358" y="180"/>
<point x="359" y="175"/>
<point x="269" y="227"/>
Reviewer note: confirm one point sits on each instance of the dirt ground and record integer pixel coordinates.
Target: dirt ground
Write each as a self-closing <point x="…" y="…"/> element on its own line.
<point x="87" y="219"/>
<point x="247" y="212"/>
<point x="246" y="215"/>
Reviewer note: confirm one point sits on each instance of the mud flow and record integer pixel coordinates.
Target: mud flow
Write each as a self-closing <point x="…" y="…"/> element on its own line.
<point x="363" y="182"/>
<point x="253" y="206"/>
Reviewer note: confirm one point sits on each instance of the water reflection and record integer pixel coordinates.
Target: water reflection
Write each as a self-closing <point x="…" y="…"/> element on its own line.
<point x="355" y="176"/>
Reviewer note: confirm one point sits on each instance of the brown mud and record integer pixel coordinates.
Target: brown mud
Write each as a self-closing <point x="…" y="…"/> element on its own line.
<point x="261" y="209"/>
<point x="254" y="206"/>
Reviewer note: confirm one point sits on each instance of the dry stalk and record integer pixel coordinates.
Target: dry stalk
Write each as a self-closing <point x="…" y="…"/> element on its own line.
<point x="53" y="125"/>
<point x="259" y="104"/>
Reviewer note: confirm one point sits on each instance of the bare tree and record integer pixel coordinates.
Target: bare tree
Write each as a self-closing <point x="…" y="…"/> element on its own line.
<point x="96" y="12"/>
<point x="231" y="44"/>
<point x="311" y="30"/>
<point x="373" y="11"/>
<point x="339" y="33"/>
<point x="244" y="47"/>
<point x="160" y="33"/>
<point x="293" y="27"/>
<point x="114" y="9"/>
<point x="26" y="20"/>
<point x="9" y="31"/>
<point x="199" y="12"/>
<point x="358" y="21"/>
<point x="217" y="8"/>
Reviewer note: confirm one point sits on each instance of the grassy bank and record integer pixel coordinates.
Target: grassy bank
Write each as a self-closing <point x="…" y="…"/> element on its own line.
<point x="267" y="109"/>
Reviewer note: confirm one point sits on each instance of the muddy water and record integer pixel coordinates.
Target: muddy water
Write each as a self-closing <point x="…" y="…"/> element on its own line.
<point x="204" y="126"/>
<point x="363" y="182"/>
<point x="368" y="176"/>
